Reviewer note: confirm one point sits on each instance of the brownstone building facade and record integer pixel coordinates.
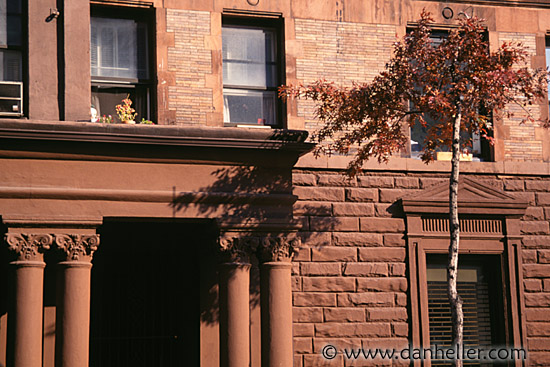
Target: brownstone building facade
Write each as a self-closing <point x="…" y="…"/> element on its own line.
<point x="213" y="237"/>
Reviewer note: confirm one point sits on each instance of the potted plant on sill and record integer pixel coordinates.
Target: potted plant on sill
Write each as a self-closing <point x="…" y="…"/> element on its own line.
<point x="125" y="112"/>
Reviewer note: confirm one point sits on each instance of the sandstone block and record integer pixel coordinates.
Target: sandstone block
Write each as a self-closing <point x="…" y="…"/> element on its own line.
<point x="320" y="269"/>
<point x="314" y="299"/>
<point x="328" y="284"/>
<point x="387" y="314"/>
<point x="307" y="314"/>
<point x="382" y="225"/>
<point x="537" y="314"/>
<point x="353" y="209"/>
<point x="319" y="193"/>
<point x="379" y="254"/>
<point x="376" y="181"/>
<point x="532" y="285"/>
<point x="537" y="300"/>
<point x="514" y="185"/>
<point x="344" y="314"/>
<point x="407" y="183"/>
<point x="382" y="284"/>
<point x="312" y="208"/>
<point x="392" y="195"/>
<point x="538" y="329"/>
<point x="366" y="299"/>
<point x="303" y="345"/>
<point x="304" y="179"/>
<point x="361" y="195"/>
<point x="333" y="253"/>
<point x="534" y="227"/>
<point x="365" y="269"/>
<point x="374" y="330"/>
<point x="536" y="185"/>
<point x="334" y="224"/>
<point x="300" y="329"/>
<point x="536" y="271"/>
<point x="357" y="239"/>
<point x="337" y="180"/>
<point x="529" y="256"/>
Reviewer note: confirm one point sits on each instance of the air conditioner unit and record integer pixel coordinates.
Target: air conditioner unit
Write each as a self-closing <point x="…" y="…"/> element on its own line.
<point x="11" y="98"/>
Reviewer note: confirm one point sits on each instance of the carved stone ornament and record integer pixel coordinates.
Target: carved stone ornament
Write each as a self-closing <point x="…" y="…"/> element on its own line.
<point x="237" y="248"/>
<point x="279" y="248"/>
<point x="76" y="245"/>
<point x="28" y="246"/>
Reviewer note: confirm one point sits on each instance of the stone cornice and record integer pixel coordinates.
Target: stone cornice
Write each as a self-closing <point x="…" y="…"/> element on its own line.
<point x="28" y="247"/>
<point x="291" y="141"/>
<point x="77" y="247"/>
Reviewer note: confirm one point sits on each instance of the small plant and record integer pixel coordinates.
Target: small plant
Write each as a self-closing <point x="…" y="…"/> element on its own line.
<point x="106" y="119"/>
<point x="147" y="122"/>
<point x="125" y="112"/>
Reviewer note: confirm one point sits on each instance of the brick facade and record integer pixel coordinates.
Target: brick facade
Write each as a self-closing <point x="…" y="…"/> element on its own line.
<point x="351" y="277"/>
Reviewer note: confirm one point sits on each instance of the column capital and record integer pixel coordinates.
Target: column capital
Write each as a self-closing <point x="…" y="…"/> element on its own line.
<point x="279" y="248"/>
<point x="77" y="247"/>
<point x="28" y="247"/>
<point x="237" y="247"/>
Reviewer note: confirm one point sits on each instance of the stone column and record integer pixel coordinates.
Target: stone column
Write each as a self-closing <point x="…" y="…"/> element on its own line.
<point x="276" y="298"/>
<point x="25" y="316"/>
<point x="234" y="281"/>
<point x="73" y="300"/>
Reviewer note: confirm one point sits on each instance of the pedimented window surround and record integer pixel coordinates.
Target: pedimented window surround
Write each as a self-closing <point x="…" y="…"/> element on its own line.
<point x="489" y="223"/>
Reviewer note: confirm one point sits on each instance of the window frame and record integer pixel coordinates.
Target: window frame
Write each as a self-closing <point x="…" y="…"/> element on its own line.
<point x="486" y="153"/>
<point x="500" y="212"/>
<point x="145" y="15"/>
<point x="23" y="50"/>
<point x="268" y="21"/>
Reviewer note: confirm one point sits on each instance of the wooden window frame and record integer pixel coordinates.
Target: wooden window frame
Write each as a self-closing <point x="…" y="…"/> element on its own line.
<point x="498" y="212"/>
<point x="269" y="21"/>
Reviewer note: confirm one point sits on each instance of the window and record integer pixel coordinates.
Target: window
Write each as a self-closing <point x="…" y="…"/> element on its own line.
<point x="480" y="287"/>
<point x="121" y="60"/>
<point x="251" y="68"/>
<point x="11" y="57"/>
<point x="490" y="262"/>
<point x="480" y="148"/>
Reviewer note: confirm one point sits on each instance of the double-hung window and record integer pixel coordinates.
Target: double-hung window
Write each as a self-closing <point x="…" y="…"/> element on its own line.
<point x="121" y="62"/>
<point x="11" y="58"/>
<point x="478" y="149"/>
<point x="251" y="69"/>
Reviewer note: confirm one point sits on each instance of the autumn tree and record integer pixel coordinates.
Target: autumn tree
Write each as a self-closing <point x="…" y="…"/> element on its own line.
<point x="447" y="88"/>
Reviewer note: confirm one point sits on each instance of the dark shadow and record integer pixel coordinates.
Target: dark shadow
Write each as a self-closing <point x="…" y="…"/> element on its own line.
<point x="152" y="282"/>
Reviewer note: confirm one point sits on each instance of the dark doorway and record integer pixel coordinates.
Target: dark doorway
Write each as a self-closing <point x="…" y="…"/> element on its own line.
<point x="145" y="300"/>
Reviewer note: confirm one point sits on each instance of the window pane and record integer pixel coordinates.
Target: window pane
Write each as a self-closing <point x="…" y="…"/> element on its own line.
<point x="11" y="66"/>
<point x="249" y="57"/>
<point x="118" y="47"/>
<point x="249" y="107"/>
<point x="10" y="23"/>
<point x="478" y="284"/>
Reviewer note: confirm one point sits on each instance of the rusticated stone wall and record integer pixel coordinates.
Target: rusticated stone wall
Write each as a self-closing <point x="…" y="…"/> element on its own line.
<point x="350" y="278"/>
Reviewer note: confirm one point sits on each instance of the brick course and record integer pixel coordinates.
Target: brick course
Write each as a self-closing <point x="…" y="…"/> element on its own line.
<point x="354" y="272"/>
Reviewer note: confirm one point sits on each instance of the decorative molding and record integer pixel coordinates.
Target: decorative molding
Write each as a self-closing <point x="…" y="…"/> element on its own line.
<point x="519" y="4"/>
<point x="236" y="248"/>
<point x="473" y="225"/>
<point x="28" y="246"/>
<point x="75" y="245"/>
<point x="279" y="248"/>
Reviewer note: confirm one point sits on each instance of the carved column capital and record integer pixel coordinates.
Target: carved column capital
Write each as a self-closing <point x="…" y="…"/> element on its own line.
<point x="77" y="247"/>
<point x="28" y="247"/>
<point x="237" y="248"/>
<point x="279" y="248"/>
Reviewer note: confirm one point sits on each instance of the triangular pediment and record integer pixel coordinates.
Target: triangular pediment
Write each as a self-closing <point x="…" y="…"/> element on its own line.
<point x="473" y="198"/>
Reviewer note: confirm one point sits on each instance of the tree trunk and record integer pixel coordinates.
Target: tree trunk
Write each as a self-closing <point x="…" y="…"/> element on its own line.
<point x="452" y="266"/>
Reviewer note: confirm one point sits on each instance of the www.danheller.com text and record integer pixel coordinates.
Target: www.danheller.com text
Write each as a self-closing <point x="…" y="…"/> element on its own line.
<point x="435" y="352"/>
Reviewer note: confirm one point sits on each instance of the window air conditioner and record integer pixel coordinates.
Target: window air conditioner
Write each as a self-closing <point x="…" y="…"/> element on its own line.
<point x="11" y="98"/>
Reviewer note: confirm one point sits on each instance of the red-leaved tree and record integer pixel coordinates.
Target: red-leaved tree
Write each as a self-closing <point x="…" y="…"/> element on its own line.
<point x="449" y="84"/>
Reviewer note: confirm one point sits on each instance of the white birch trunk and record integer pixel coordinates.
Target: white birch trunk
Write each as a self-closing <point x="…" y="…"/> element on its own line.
<point x="452" y="266"/>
